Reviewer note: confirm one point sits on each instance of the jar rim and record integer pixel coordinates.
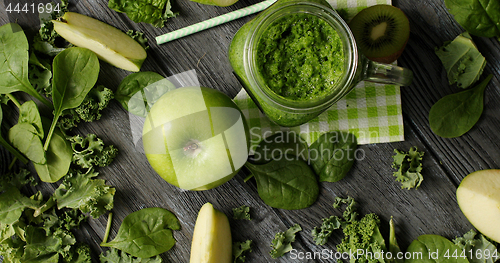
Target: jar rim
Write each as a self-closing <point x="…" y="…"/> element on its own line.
<point x="326" y="14"/>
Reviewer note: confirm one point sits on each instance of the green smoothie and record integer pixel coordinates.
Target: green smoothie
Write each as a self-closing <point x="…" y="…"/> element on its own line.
<point x="300" y="57"/>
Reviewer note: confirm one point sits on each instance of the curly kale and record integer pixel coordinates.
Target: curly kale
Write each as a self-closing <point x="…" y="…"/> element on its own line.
<point x="409" y="166"/>
<point x="79" y="253"/>
<point x="16" y="179"/>
<point x="242" y="212"/>
<point x="90" y="151"/>
<point x="47" y="41"/>
<point x="90" y="109"/>
<point x="282" y="242"/>
<point x="116" y="256"/>
<point x="320" y="236"/>
<point x="81" y="191"/>
<point x="476" y="246"/>
<point x="240" y="249"/>
<point x="139" y="37"/>
<point x="155" y="12"/>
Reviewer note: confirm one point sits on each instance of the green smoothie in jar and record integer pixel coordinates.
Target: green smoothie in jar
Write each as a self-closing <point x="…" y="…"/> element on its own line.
<point x="300" y="57"/>
<point x="297" y="57"/>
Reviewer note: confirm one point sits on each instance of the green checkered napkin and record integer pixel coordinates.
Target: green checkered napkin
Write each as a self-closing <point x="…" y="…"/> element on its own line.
<point x="370" y="111"/>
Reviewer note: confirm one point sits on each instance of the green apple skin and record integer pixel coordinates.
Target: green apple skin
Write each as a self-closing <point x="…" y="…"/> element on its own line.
<point x="205" y="118"/>
<point x="211" y="238"/>
<point x="109" y="43"/>
<point x="479" y="199"/>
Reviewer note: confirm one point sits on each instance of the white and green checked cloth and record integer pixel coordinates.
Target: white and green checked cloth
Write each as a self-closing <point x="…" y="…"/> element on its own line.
<point x="370" y="111"/>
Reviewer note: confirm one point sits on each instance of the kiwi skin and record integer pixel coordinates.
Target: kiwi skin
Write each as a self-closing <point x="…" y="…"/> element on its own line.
<point x="391" y="45"/>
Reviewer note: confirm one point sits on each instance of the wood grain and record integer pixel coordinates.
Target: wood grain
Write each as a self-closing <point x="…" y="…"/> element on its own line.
<point x="432" y="209"/>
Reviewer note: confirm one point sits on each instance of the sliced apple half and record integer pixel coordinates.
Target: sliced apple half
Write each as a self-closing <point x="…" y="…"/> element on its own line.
<point x="109" y="43"/>
<point x="212" y="237"/>
<point x="479" y="199"/>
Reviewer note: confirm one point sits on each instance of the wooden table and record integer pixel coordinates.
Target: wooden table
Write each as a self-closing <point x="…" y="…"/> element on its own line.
<point x="432" y="209"/>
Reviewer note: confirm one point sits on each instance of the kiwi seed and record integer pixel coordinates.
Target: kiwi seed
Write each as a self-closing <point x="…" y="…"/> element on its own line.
<point x="381" y="32"/>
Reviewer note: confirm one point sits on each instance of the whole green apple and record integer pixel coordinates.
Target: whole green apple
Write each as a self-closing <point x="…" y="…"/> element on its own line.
<point x="195" y="138"/>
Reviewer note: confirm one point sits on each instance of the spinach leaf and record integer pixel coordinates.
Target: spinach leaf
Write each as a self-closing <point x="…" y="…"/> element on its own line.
<point x="139" y="91"/>
<point x="433" y="248"/>
<point x="7" y="145"/>
<point x="12" y="205"/>
<point x="14" y="67"/>
<point x="28" y="113"/>
<point x="464" y="64"/>
<point x="456" y="114"/>
<point x="155" y="12"/>
<point x="25" y="137"/>
<point x="146" y="233"/>
<point x="285" y="184"/>
<point x="479" y="17"/>
<point x="58" y="156"/>
<point x="332" y="155"/>
<point x="75" y="74"/>
<point x="280" y="145"/>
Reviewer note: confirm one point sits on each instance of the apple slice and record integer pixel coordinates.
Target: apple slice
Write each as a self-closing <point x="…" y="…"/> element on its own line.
<point x="479" y="199"/>
<point x="211" y="238"/>
<point x="109" y="43"/>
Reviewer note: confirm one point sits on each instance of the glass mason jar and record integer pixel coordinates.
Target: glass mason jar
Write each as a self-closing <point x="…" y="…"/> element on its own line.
<point x="287" y="112"/>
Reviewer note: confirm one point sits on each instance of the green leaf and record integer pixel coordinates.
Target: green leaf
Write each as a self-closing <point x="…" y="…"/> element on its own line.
<point x="14" y="67"/>
<point x="409" y="167"/>
<point x="12" y="205"/>
<point x="81" y="191"/>
<point x="433" y="248"/>
<point x="41" y="247"/>
<point x="462" y="61"/>
<point x="7" y="145"/>
<point x="456" y="114"/>
<point x="25" y="137"/>
<point x="90" y="151"/>
<point x="281" y="145"/>
<point x="155" y="12"/>
<point x="240" y="249"/>
<point x="285" y="184"/>
<point x="242" y="212"/>
<point x="479" y="17"/>
<point x="59" y="156"/>
<point x="393" y="244"/>
<point x="75" y="74"/>
<point x="320" y="236"/>
<point x="116" y="256"/>
<point x="40" y="75"/>
<point x="146" y="233"/>
<point x="475" y="246"/>
<point x="282" y="242"/>
<point x="28" y="113"/>
<point x="139" y="91"/>
<point x="333" y="155"/>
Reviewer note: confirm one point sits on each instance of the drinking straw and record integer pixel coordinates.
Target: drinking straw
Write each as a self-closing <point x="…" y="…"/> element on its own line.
<point x="213" y="22"/>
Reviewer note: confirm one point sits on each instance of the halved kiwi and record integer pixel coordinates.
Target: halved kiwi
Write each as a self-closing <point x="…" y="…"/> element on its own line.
<point x="381" y="32"/>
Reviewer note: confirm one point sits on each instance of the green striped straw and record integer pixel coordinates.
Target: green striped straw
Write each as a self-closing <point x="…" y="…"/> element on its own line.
<point x="213" y="22"/>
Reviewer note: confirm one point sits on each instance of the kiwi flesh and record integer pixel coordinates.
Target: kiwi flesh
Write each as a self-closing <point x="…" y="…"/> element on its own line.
<point x="381" y="32"/>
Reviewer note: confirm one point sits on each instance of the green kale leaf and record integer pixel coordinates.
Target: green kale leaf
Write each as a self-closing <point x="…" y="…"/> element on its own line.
<point x="40" y="74"/>
<point x="16" y="179"/>
<point x="320" y="237"/>
<point x="90" y="151"/>
<point x="90" y="110"/>
<point x="12" y="205"/>
<point x="282" y="242"/>
<point x="475" y="246"/>
<point x="81" y="191"/>
<point x="479" y="17"/>
<point x="139" y="37"/>
<point x="464" y="64"/>
<point x="41" y="247"/>
<point x="116" y="256"/>
<point x="409" y="166"/>
<point x="155" y="12"/>
<point x="242" y="212"/>
<point x="240" y="249"/>
<point x="79" y="253"/>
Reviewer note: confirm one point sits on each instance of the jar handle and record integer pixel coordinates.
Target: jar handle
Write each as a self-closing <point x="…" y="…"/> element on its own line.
<point x="386" y="73"/>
